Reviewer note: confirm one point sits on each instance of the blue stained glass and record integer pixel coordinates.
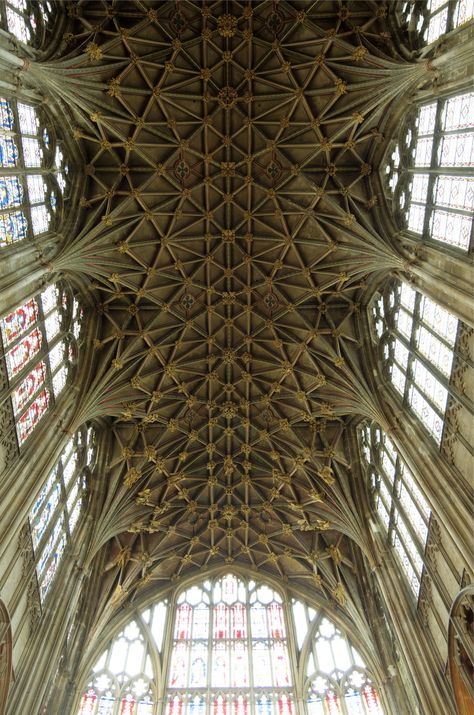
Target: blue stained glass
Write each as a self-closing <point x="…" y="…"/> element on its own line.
<point x="8" y="151"/>
<point x="6" y="114"/>
<point x="13" y="227"/>
<point x="10" y="192"/>
<point x="264" y="705"/>
<point x="49" y="575"/>
<point x="45" y="516"/>
<point x="43" y="493"/>
<point x="48" y="549"/>
<point x="106" y="705"/>
<point x="196" y="706"/>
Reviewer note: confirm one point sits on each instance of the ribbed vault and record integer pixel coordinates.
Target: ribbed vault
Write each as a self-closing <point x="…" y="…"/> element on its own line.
<point x="228" y="232"/>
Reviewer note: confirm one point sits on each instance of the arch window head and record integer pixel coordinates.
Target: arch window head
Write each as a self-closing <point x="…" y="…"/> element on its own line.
<point x="40" y="345"/>
<point x="401" y="508"/>
<point x="224" y="650"/>
<point x="33" y="173"/>
<point x="230" y="645"/>
<point x="30" y="21"/>
<point x="57" y="509"/>
<point x="418" y="342"/>
<point x="430" y="172"/>
<point x="124" y="677"/>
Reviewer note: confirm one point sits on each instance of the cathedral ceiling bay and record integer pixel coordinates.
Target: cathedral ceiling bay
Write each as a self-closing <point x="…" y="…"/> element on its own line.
<point x="230" y="233"/>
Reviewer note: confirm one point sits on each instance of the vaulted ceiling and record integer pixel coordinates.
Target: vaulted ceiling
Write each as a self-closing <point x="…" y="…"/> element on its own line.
<point x="227" y="226"/>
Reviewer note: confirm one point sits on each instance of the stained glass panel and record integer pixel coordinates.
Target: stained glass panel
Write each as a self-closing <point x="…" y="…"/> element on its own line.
<point x="29" y="387"/>
<point x="32" y="416"/>
<point x="23" y="352"/>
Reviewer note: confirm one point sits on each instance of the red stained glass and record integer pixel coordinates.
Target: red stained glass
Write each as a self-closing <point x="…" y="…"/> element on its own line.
<point x="221" y="621"/>
<point x="182" y="629"/>
<point x="127" y="706"/>
<point x="332" y="702"/>
<point x="239" y="621"/>
<point x="32" y="416"/>
<point x="19" y="321"/>
<point x="277" y="626"/>
<point x="285" y="706"/>
<point x="370" y="697"/>
<point x="175" y="706"/>
<point x="23" y="352"/>
<point x="30" y="385"/>
<point x="88" y="704"/>
<point x="219" y="706"/>
<point x="240" y="706"/>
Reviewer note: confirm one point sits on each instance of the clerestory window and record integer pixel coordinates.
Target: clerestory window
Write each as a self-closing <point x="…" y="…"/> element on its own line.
<point x="431" y="172"/>
<point x="33" y="173"/>
<point x="402" y="510"/>
<point x="58" y="506"/>
<point x="225" y="648"/>
<point x="430" y="19"/>
<point x="40" y="346"/>
<point x="30" y="21"/>
<point x="418" y="342"/>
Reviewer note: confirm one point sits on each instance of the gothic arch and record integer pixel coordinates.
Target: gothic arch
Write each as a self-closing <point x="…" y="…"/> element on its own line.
<point x="171" y="596"/>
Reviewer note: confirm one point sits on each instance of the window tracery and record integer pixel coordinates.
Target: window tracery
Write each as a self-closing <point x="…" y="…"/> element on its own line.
<point x="401" y="508"/>
<point x="33" y="173"/>
<point x="28" y="20"/>
<point x="418" y="340"/>
<point x="40" y="347"/>
<point x="433" y="18"/>
<point x="224" y="649"/>
<point x="430" y="173"/>
<point x="58" y="506"/>
<point x="337" y="681"/>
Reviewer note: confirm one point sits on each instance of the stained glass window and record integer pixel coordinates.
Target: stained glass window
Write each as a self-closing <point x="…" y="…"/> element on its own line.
<point x="402" y="509"/>
<point x="337" y="681"/>
<point x="28" y="20"/>
<point x="40" y="345"/>
<point x="224" y="649"/>
<point x="122" y="681"/>
<point x="433" y="190"/>
<point x="230" y="652"/>
<point x="418" y="340"/>
<point x="34" y="173"/>
<point x="58" y="506"/>
<point x="434" y="18"/>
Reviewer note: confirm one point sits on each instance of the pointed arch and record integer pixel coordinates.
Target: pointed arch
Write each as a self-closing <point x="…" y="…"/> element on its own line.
<point x="228" y="643"/>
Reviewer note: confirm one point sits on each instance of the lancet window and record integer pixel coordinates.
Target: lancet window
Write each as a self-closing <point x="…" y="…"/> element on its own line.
<point x="431" y="171"/>
<point x="33" y="173"/>
<point x="418" y="340"/>
<point x="225" y="649"/>
<point x="28" y="20"/>
<point x="402" y="510"/>
<point x="40" y="346"/>
<point x="58" y="506"/>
